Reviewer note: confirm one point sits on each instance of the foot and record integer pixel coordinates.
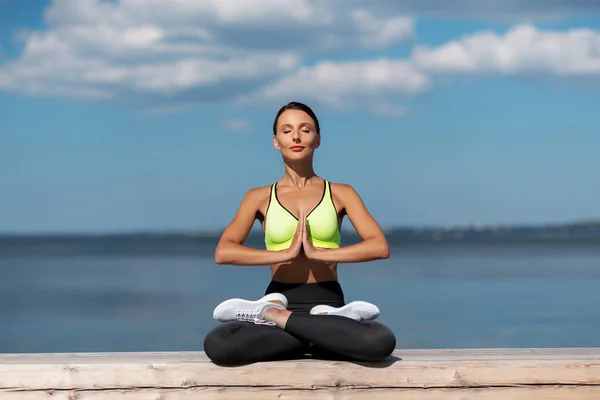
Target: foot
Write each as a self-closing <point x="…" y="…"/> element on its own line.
<point x="358" y="310"/>
<point x="247" y="310"/>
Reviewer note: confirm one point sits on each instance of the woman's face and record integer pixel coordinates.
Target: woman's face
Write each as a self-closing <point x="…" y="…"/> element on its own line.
<point x="296" y="135"/>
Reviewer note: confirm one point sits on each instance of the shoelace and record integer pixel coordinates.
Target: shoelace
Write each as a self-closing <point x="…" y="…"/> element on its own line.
<point x="251" y="316"/>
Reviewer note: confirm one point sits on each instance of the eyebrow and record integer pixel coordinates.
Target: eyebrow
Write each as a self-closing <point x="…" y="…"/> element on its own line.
<point x="301" y="125"/>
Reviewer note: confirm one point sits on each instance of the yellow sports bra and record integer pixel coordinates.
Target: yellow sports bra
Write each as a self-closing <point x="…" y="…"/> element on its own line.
<point x="281" y="224"/>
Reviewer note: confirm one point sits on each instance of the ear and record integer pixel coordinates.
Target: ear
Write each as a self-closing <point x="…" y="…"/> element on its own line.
<point x="318" y="142"/>
<point x="275" y="142"/>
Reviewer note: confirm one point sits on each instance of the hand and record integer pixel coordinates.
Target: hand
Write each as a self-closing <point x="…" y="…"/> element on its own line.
<point x="296" y="247"/>
<point x="307" y="244"/>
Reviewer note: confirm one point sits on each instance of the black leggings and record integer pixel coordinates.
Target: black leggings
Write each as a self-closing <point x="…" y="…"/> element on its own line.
<point x="323" y="336"/>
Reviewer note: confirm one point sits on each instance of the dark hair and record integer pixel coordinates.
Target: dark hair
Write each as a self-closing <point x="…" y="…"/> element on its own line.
<point x="294" y="105"/>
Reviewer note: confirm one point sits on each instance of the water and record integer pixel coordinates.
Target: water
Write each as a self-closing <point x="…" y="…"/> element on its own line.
<point x="153" y="294"/>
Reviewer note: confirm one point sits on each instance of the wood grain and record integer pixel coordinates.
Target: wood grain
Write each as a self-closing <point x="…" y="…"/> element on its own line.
<point x="524" y="393"/>
<point x="487" y="374"/>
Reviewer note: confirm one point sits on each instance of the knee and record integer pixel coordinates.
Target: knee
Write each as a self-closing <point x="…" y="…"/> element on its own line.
<point x="380" y="344"/>
<point x="218" y="349"/>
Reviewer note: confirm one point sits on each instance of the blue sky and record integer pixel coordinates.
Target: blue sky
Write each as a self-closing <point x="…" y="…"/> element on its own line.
<point x="156" y="115"/>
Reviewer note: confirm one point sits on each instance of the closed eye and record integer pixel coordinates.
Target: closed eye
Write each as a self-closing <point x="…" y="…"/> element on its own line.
<point x="305" y="130"/>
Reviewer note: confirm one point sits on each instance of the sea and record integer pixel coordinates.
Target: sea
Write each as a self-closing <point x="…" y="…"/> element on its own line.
<point x="157" y="293"/>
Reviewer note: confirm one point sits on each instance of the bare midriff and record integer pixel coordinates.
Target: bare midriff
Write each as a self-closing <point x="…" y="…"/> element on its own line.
<point x="303" y="270"/>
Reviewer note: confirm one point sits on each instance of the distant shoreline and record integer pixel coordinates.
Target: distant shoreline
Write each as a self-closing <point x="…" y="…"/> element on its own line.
<point x="575" y="231"/>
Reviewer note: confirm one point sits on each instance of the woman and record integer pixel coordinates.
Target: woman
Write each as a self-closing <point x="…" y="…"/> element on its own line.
<point x="303" y="310"/>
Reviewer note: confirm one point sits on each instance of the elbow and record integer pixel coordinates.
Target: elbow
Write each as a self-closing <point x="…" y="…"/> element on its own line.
<point x="385" y="253"/>
<point x="379" y="250"/>
<point x="220" y="257"/>
<point x="225" y="253"/>
<point x="384" y="250"/>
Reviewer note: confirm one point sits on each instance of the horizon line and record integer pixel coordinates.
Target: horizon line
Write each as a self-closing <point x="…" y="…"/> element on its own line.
<point x="414" y="227"/>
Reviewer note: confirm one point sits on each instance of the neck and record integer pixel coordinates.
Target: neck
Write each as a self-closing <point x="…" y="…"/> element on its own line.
<point x="297" y="174"/>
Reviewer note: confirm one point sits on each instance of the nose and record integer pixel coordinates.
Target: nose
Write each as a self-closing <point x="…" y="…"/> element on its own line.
<point x="296" y="135"/>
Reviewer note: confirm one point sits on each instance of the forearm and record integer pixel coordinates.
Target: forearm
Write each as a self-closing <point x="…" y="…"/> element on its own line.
<point x="240" y="255"/>
<point x="367" y="250"/>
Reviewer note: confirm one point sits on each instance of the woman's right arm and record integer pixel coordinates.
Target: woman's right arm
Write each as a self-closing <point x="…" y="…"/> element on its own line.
<point x="230" y="249"/>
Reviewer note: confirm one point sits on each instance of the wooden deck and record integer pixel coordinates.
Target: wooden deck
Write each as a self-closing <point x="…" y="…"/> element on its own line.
<point x="482" y="374"/>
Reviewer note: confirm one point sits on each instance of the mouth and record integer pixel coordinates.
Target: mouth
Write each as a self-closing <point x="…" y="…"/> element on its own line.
<point x="297" y="148"/>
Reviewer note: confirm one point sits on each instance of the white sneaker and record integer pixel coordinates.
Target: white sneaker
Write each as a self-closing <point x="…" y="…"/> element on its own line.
<point x="358" y="310"/>
<point x="247" y="310"/>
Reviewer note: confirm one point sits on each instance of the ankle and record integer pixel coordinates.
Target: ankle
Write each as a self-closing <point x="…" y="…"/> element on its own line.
<point x="272" y="313"/>
<point x="279" y="317"/>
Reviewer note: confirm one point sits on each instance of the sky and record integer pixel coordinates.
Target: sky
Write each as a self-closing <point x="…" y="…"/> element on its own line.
<point x="156" y="115"/>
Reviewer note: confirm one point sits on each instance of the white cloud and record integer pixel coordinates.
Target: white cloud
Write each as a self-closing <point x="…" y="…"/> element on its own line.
<point x="150" y="51"/>
<point x="167" y="55"/>
<point x="347" y="84"/>
<point x="522" y="50"/>
<point x="235" y="125"/>
<point x="503" y="10"/>
<point x="187" y="12"/>
<point x="383" y="31"/>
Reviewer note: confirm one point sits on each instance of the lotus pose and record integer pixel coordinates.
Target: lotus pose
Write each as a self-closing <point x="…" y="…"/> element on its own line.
<point x="303" y="310"/>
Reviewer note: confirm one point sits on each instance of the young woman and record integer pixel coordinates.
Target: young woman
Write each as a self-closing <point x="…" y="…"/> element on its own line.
<point x="303" y="310"/>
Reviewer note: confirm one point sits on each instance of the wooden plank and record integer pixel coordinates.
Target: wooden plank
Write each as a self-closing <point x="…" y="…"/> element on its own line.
<point x="419" y="369"/>
<point x="522" y="393"/>
<point x="302" y="375"/>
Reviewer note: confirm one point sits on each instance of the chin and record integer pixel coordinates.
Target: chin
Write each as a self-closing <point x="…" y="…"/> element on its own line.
<point x="297" y="156"/>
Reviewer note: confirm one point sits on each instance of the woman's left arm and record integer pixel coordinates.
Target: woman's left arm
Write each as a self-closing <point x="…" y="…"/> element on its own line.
<point x="374" y="245"/>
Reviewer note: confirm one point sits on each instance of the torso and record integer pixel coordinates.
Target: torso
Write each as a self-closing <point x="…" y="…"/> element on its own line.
<point x="292" y="201"/>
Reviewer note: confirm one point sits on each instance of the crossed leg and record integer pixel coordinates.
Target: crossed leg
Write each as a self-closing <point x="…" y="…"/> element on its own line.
<point x="240" y="342"/>
<point x="346" y="337"/>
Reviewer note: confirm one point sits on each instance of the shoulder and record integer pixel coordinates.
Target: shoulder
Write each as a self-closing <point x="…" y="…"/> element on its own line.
<point x="254" y="200"/>
<point x="345" y="193"/>
<point x="343" y="189"/>
<point x="257" y="194"/>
